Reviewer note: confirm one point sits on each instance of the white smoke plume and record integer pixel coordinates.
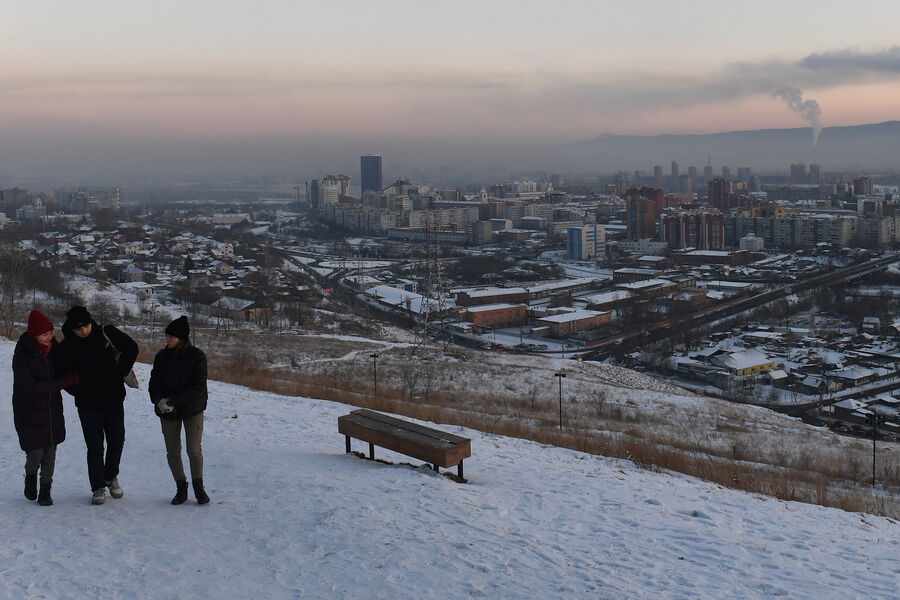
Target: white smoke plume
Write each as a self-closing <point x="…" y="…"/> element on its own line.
<point x="808" y="109"/>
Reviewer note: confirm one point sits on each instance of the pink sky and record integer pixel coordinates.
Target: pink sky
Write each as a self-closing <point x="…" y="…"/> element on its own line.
<point x="401" y="70"/>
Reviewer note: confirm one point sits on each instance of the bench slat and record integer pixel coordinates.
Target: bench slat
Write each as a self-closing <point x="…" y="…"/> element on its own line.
<point x="426" y="431"/>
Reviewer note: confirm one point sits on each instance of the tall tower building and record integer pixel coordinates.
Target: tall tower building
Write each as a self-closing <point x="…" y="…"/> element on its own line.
<point x="370" y="174"/>
<point x="863" y="186"/>
<point x="313" y="194"/>
<point x="642" y="207"/>
<point x="814" y="173"/>
<point x="674" y="170"/>
<point x="331" y="190"/>
<point x="658" y="173"/>
<point x="718" y="192"/>
<point x="798" y="173"/>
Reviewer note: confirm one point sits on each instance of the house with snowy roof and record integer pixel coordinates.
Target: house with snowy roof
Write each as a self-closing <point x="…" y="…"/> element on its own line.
<point x="748" y="362"/>
<point x="853" y="375"/>
<point x="871" y="324"/>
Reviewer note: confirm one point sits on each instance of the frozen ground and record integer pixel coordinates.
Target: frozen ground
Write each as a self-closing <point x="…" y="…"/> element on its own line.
<point x="292" y="516"/>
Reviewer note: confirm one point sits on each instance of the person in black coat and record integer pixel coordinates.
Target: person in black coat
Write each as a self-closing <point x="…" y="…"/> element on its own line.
<point x="37" y="404"/>
<point x="102" y="357"/>
<point x="178" y="391"/>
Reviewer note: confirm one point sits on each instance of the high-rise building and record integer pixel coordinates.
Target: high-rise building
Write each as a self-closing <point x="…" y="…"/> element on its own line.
<point x="658" y="173"/>
<point x="863" y="186"/>
<point x="370" y="174"/>
<point x="707" y="172"/>
<point x="744" y="173"/>
<point x="701" y="228"/>
<point x="313" y="194"/>
<point x="642" y="207"/>
<point x="726" y="172"/>
<point x="798" y="173"/>
<point x="718" y="192"/>
<point x="674" y="170"/>
<point x="692" y="172"/>
<point x="814" y="173"/>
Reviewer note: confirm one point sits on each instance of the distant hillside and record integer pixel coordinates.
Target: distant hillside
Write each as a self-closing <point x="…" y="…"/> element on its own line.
<point x="859" y="147"/>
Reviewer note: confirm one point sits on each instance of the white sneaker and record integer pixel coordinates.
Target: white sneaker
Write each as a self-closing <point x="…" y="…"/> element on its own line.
<point x="99" y="496"/>
<point x="115" y="490"/>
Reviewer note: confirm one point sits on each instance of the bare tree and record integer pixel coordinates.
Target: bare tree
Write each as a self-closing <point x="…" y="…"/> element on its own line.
<point x="410" y="381"/>
<point x="102" y="309"/>
<point x="13" y="270"/>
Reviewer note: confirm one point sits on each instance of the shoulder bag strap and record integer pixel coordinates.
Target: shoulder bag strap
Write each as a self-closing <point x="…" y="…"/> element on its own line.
<point x="111" y="345"/>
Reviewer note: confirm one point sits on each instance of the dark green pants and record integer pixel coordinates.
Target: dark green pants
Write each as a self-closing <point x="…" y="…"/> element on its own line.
<point x="193" y="435"/>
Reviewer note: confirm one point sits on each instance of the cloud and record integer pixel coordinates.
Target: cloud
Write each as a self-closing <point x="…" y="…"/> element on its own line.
<point x="440" y="102"/>
<point x="885" y="61"/>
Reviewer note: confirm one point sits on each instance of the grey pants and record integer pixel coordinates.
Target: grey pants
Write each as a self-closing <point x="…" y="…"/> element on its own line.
<point x="43" y="458"/>
<point x="193" y="434"/>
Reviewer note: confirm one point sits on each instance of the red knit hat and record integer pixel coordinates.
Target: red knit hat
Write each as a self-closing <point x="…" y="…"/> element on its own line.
<point x="38" y="323"/>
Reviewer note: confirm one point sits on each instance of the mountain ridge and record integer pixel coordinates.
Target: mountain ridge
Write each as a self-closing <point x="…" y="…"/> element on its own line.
<point x="868" y="148"/>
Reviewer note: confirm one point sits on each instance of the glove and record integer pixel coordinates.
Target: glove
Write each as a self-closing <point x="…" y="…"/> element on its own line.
<point x="164" y="407"/>
<point x="70" y="380"/>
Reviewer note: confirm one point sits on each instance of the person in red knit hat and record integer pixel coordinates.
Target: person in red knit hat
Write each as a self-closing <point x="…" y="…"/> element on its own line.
<point x="37" y="404"/>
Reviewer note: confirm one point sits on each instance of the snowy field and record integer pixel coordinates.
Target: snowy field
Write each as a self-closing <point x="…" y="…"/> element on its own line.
<point x="292" y="516"/>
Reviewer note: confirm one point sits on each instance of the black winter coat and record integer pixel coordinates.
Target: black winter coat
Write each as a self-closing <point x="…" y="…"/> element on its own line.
<point x="180" y="375"/>
<point x="102" y="378"/>
<point x="37" y="403"/>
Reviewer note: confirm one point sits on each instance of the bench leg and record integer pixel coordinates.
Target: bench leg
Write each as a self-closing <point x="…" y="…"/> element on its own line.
<point x="459" y="471"/>
<point x="371" y="451"/>
<point x="347" y="442"/>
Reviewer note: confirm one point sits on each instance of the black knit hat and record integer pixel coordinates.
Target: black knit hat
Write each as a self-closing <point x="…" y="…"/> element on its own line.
<point x="179" y="328"/>
<point x="78" y="317"/>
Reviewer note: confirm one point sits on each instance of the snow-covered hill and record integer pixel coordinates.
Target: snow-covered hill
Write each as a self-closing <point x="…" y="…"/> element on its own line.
<point x="292" y="516"/>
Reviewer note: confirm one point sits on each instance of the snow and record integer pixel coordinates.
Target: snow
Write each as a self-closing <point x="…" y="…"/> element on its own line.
<point x="292" y="516"/>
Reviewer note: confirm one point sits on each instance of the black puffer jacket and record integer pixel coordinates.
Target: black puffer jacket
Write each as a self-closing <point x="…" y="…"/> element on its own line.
<point x="37" y="403"/>
<point x="180" y="375"/>
<point x="101" y="384"/>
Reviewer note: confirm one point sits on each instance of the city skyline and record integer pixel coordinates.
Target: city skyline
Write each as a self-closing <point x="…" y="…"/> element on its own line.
<point x="90" y="82"/>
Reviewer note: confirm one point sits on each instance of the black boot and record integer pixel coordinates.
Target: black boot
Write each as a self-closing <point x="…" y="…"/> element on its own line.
<point x="44" y="498"/>
<point x="199" y="492"/>
<point x="31" y="486"/>
<point x="181" y="492"/>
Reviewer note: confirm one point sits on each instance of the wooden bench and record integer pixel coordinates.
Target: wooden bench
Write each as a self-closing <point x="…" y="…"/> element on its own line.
<point x="436" y="447"/>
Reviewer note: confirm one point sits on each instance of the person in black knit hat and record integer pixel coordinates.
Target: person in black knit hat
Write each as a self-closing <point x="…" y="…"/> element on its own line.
<point x="102" y="357"/>
<point x="178" y="391"/>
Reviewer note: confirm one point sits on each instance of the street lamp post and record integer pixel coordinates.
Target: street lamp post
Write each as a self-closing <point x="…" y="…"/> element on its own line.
<point x="874" y="420"/>
<point x="374" y="356"/>
<point x="560" y="375"/>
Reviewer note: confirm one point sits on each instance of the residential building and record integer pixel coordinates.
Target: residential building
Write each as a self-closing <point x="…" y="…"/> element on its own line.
<point x="701" y="228"/>
<point x="719" y="193"/>
<point x="586" y="242"/>
<point x="643" y="206"/>
<point x="798" y="173"/>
